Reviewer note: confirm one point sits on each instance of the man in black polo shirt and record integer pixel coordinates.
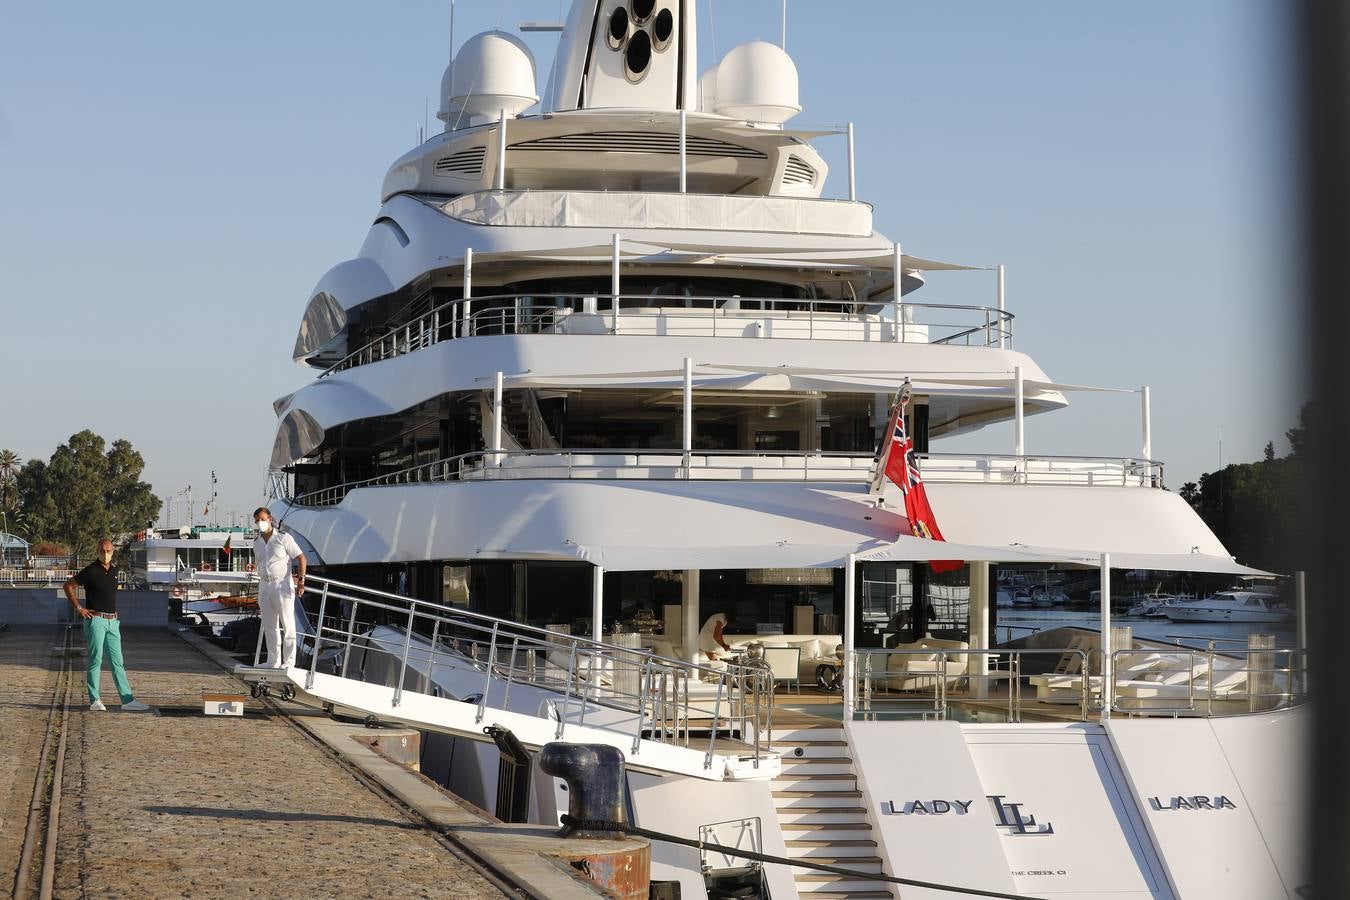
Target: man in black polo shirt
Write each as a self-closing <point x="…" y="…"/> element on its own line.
<point x="102" y="631"/>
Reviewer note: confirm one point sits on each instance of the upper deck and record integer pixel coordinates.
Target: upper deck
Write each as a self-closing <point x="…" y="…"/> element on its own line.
<point x="689" y="316"/>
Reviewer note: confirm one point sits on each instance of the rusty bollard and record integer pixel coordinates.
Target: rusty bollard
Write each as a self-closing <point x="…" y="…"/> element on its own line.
<point x="596" y="786"/>
<point x="597" y="791"/>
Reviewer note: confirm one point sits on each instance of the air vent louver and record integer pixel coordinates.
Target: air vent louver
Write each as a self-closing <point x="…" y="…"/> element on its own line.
<point x="797" y="172"/>
<point x="464" y="164"/>
<point x="637" y="142"/>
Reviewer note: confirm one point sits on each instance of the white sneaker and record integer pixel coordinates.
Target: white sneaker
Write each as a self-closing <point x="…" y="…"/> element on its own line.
<point x="97" y="706"/>
<point x="134" y="706"/>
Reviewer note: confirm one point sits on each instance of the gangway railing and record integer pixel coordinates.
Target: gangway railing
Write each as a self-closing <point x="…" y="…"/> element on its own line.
<point x="650" y="698"/>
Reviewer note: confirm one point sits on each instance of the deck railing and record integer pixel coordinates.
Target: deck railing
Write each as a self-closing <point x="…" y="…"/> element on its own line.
<point x="681" y="316"/>
<point x="1062" y="683"/>
<point x="746" y="465"/>
<point x="43" y="577"/>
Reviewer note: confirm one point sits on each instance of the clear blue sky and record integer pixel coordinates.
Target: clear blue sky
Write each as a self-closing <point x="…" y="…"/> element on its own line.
<point x="175" y="177"/>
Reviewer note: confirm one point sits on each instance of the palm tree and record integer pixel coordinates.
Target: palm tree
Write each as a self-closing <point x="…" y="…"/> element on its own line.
<point x="9" y="487"/>
<point x="9" y="466"/>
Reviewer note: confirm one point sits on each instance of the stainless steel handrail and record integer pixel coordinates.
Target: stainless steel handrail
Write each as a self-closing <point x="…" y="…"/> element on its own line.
<point x="1110" y="470"/>
<point x="741" y="693"/>
<point x="1260" y="684"/>
<point x="488" y="464"/>
<point x="502" y="314"/>
<point x="1144" y="682"/>
<point x="935" y="691"/>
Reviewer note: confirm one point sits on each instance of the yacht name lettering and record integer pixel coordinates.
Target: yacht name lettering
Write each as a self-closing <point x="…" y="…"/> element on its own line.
<point x="926" y="807"/>
<point x="1194" y="801"/>
<point x="1010" y="816"/>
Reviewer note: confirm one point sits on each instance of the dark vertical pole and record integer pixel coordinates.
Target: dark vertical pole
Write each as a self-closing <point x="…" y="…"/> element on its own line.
<point x="520" y="591"/>
<point x="1323" y="51"/>
<point x="992" y="636"/>
<point x="837" y="599"/>
<point x="919" y="609"/>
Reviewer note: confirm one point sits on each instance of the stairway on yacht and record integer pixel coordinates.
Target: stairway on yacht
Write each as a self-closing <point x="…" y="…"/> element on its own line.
<point x="820" y="808"/>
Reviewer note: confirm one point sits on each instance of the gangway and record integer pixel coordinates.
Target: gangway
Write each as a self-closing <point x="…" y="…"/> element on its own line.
<point x="405" y="661"/>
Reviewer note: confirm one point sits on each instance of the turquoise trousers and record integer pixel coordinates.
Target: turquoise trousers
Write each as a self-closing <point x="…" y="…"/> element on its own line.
<point x="105" y="636"/>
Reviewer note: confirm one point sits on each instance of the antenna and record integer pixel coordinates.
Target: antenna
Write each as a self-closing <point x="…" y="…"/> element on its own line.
<point x="783" y="40"/>
<point x="210" y="501"/>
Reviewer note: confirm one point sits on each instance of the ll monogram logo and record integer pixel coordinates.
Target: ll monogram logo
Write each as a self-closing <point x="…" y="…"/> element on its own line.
<point x="1010" y="816"/>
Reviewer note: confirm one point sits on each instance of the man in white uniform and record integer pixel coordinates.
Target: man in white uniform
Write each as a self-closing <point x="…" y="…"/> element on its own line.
<point x="272" y="553"/>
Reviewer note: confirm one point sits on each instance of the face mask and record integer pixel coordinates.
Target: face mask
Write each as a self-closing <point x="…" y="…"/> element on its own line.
<point x="265" y="525"/>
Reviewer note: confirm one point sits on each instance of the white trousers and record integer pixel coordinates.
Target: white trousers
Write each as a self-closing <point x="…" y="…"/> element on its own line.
<point x="276" y="601"/>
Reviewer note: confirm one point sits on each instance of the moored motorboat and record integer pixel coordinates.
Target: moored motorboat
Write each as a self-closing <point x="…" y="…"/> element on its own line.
<point x="1231" y="606"/>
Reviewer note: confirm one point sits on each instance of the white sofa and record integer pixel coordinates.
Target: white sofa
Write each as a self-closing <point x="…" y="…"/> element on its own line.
<point x="918" y="664"/>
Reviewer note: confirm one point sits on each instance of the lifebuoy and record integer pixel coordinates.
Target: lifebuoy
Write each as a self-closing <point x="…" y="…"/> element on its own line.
<point x="250" y="568"/>
<point x="208" y="567"/>
<point x="176" y="593"/>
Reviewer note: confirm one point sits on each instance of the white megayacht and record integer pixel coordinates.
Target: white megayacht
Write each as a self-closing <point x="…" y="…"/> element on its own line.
<point x="609" y="357"/>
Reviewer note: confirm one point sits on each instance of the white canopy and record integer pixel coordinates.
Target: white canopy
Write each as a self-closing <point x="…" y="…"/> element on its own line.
<point x="1157" y="562"/>
<point x="798" y="556"/>
<point x="1142" y="528"/>
<point x="878" y="258"/>
<point x="637" y="209"/>
<point x="644" y="525"/>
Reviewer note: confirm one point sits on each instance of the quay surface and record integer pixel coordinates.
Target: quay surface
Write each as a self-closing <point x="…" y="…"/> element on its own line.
<point x="176" y="803"/>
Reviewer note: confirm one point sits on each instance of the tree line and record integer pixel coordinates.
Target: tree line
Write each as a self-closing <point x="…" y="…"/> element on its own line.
<point x="1258" y="509"/>
<point x="85" y="491"/>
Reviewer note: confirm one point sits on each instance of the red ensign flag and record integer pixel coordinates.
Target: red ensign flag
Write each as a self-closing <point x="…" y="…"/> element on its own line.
<point x="899" y="463"/>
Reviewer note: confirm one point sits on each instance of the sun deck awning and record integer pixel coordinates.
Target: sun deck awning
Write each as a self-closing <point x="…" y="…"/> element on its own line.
<point x="638" y="525"/>
<point x="874" y="258"/>
<point x="1161" y="562"/>
<point x="1141" y="527"/>
<point x="797" y="556"/>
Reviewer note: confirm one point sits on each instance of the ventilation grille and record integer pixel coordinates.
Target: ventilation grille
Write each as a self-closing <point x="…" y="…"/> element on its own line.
<point x="637" y="142"/>
<point x="798" y="172"/>
<point x="464" y="164"/>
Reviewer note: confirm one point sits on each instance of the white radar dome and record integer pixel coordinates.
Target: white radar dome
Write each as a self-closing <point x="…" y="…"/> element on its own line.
<point x="444" y="112"/>
<point x="493" y="71"/>
<point x="707" y="91"/>
<point x="757" y="82"/>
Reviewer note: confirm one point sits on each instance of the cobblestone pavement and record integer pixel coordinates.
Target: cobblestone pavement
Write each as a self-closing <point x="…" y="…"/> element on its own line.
<point x="189" y="805"/>
<point x="28" y="668"/>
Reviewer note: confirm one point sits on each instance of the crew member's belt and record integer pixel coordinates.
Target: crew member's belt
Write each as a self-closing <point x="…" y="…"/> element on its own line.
<point x="104" y="615"/>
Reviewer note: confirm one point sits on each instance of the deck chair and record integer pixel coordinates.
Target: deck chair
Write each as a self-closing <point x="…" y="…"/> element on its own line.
<point x="785" y="664"/>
